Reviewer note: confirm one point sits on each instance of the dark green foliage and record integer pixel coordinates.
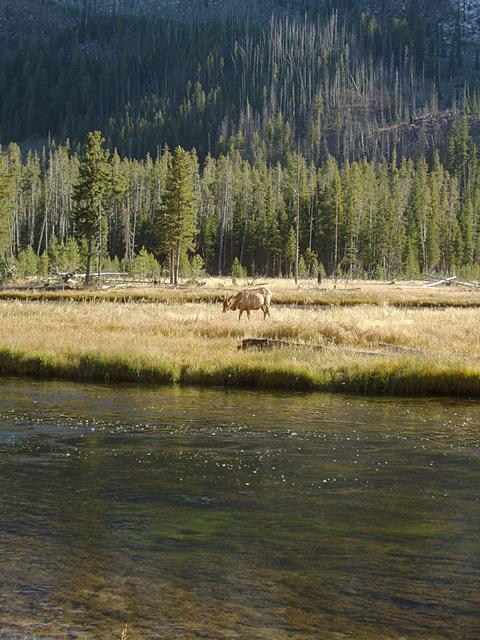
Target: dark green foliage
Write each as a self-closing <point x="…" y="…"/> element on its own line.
<point x="144" y="265"/>
<point x="26" y="264"/>
<point x="7" y="194"/>
<point x="363" y="219"/>
<point x="89" y="195"/>
<point x="175" y="221"/>
<point x="237" y="270"/>
<point x="336" y="80"/>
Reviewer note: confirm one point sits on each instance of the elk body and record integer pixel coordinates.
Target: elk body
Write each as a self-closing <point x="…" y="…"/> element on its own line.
<point x="249" y="300"/>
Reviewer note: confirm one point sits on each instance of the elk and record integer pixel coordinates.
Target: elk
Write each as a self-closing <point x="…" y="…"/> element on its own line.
<point x="249" y="300"/>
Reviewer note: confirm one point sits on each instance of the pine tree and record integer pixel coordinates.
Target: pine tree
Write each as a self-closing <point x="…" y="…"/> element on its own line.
<point x="42" y="265"/>
<point x="14" y="162"/>
<point x="412" y="269"/>
<point x="433" y="252"/>
<point x="197" y="268"/>
<point x="89" y="196"/>
<point x="54" y="253"/>
<point x="118" y="189"/>
<point x="290" y="250"/>
<point x="466" y="228"/>
<point x="145" y="265"/>
<point x="7" y="196"/>
<point x="175" y="221"/>
<point x="26" y="263"/>
<point x="237" y="270"/>
<point x="70" y="256"/>
<point x="420" y="209"/>
<point x="332" y="214"/>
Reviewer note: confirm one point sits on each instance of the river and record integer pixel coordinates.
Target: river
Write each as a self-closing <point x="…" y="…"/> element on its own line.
<point x="205" y="513"/>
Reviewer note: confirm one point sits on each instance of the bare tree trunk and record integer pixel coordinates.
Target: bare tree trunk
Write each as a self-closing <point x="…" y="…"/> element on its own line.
<point x="335" y="259"/>
<point x="100" y="247"/>
<point x="16" y="233"/>
<point x="297" y="233"/>
<point x="39" y="247"/>
<point x="177" y="261"/>
<point x="297" y="222"/>
<point x="128" y="231"/>
<point x="89" y="259"/>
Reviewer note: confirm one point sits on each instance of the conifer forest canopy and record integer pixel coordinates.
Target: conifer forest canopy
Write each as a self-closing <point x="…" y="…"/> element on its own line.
<point x="350" y="127"/>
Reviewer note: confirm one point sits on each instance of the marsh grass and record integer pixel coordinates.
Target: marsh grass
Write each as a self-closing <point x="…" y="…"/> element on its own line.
<point x="285" y="292"/>
<point x="194" y="343"/>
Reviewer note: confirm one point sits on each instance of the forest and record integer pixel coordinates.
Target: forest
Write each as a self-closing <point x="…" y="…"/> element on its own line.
<point x="340" y="140"/>
<point x="366" y="219"/>
<point x="342" y="82"/>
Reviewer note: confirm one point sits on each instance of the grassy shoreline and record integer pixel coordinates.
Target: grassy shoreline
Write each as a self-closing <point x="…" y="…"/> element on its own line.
<point x="403" y="378"/>
<point x="367" y="349"/>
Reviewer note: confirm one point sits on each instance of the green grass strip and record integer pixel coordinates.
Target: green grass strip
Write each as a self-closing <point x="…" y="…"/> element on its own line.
<point x="412" y="378"/>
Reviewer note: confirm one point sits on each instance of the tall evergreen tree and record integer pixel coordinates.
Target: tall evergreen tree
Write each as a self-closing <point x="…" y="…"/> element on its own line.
<point x="175" y="221"/>
<point x="7" y="199"/>
<point x="89" y="196"/>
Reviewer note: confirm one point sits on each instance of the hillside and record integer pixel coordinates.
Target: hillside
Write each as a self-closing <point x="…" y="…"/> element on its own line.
<point x="329" y="136"/>
<point x="23" y="20"/>
<point x="350" y="79"/>
<point x="445" y="13"/>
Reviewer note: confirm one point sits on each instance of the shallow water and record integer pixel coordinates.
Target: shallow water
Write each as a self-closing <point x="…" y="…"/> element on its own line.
<point x="190" y="513"/>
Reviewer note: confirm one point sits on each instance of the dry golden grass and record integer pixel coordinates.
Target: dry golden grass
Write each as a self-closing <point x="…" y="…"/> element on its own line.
<point x="433" y="350"/>
<point x="306" y="293"/>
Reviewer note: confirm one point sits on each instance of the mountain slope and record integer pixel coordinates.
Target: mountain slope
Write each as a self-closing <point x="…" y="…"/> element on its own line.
<point x="23" y="20"/>
<point x="353" y="79"/>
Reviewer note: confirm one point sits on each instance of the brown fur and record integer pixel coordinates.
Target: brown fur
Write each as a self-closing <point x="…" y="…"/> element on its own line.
<point x="249" y="300"/>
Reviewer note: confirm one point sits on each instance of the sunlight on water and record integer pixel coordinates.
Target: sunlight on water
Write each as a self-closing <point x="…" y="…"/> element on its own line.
<point x="191" y="513"/>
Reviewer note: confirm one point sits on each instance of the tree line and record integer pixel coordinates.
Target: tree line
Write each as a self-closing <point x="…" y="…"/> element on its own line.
<point x="174" y="214"/>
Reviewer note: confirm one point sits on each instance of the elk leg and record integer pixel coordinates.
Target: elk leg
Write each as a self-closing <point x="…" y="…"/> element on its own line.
<point x="248" y="314"/>
<point x="240" y="314"/>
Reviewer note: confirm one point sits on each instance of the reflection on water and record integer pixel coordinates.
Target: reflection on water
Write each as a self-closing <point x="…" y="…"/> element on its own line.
<point x="193" y="513"/>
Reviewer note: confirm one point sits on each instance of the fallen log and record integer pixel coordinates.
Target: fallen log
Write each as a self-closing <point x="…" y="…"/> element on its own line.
<point x="399" y="348"/>
<point x="93" y="274"/>
<point x="469" y="285"/>
<point x="59" y="287"/>
<point x="437" y="283"/>
<point x="267" y="343"/>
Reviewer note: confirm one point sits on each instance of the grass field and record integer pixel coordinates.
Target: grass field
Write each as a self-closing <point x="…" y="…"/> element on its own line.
<point x="368" y="348"/>
<point x="306" y="293"/>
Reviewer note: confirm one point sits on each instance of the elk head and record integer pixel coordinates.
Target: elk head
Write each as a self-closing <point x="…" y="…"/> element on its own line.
<point x="226" y="303"/>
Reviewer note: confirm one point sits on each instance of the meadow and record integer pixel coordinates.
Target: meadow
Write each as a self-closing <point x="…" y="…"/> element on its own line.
<point x="370" y="348"/>
<point x="285" y="292"/>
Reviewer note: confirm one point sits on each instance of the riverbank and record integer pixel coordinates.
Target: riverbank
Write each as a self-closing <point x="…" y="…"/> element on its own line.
<point x="367" y="349"/>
